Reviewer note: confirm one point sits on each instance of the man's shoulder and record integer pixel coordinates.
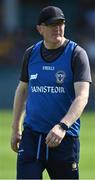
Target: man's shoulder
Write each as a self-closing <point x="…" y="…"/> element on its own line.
<point x="30" y="48"/>
<point x="79" y="49"/>
<point x="79" y="54"/>
<point x="28" y="52"/>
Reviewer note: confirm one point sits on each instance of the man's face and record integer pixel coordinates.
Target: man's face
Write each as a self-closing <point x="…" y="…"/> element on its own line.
<point x="52" y="33"/>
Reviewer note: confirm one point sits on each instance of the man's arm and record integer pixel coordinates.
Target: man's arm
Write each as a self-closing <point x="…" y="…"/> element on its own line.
<point x="19" y="101"/>
<point x="56" y="134"/>
<point x="78" y="105"/>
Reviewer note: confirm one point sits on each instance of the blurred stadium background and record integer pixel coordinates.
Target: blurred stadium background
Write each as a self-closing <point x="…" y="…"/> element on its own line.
<point x="18" y="20"/>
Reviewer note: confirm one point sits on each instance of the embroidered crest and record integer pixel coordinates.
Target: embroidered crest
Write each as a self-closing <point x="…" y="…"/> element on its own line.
<point x="60" y="75"/>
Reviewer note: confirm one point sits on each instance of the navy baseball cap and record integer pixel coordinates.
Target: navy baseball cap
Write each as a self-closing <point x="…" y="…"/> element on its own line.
<point x="50" y="15"/>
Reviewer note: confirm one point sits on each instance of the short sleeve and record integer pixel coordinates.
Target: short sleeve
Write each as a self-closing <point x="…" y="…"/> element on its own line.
<point x="24" y="69"/>
<point x="81" y="66"/>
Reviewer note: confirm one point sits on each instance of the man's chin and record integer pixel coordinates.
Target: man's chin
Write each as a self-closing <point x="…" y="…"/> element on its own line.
<point x="57" y="40"/>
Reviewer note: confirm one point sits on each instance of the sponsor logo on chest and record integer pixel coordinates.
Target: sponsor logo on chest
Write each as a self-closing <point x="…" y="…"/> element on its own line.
<point x="48" y="68"/>
<point x="33" y="76"/>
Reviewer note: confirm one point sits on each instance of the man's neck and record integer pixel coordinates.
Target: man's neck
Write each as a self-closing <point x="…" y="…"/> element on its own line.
<point x="54" y="45"/>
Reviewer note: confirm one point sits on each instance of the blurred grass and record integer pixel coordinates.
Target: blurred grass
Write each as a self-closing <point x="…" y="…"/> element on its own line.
<point x="87" y="154"/>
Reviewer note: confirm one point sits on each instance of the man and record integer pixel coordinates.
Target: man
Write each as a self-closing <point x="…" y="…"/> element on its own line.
<point x="54" y="83"/>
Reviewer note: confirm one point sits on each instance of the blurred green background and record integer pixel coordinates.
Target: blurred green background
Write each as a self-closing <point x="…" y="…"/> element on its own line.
<point x="87" y="153"/>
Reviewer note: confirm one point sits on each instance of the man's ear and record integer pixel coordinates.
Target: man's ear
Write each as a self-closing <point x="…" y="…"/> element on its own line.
<point x="38" y="27"/>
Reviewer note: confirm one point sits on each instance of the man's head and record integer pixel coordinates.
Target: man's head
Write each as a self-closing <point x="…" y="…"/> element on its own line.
<point x="51" y="23"/>
<point x="50" y="15"/>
